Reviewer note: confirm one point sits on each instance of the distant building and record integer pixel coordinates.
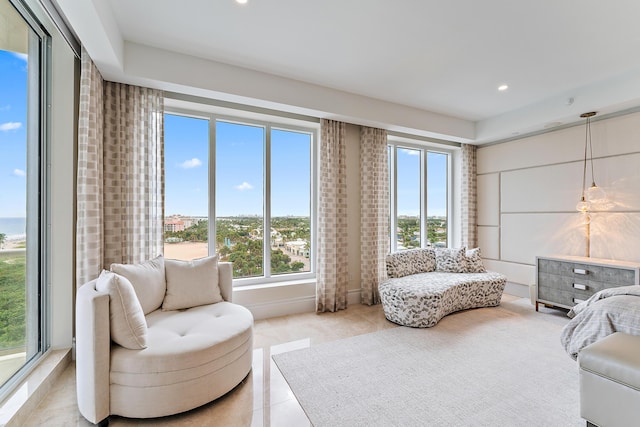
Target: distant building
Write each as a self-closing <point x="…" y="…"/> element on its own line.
<point x="297" y="247"/>
<point x="173" y="225"/>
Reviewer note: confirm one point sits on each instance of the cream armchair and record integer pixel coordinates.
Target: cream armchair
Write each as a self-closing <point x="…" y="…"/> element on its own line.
<point x="192" y="355"/>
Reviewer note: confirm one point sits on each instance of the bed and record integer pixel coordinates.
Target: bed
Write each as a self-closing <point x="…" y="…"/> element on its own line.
<point x="607" y="311"/>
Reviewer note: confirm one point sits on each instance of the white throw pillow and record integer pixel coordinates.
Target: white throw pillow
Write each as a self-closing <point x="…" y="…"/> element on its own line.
<point x="127" y="323"/>
<point x="148" y="281"/>
<point x="191" y="283"/>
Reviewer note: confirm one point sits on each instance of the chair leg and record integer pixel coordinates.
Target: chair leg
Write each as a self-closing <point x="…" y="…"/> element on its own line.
<point x="590" y="424"/>
<point x="105" y="423"/>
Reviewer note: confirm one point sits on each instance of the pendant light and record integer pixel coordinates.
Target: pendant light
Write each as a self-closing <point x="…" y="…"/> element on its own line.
<point x="594" y="194"/>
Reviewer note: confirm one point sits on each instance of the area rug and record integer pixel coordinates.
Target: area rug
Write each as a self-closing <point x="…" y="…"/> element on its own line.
<point x="501" y="366"/>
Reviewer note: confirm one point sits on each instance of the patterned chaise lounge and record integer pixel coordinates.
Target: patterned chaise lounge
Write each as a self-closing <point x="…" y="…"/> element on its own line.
<point x="424" y="285"/>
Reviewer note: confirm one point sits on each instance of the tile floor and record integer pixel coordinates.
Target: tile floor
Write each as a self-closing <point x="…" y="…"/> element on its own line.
<point x="263" y="399"/>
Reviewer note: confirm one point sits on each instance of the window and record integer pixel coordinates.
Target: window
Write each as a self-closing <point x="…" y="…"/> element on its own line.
<point x="23" y="53"/>
<point x="261" y="179"/>
<point x="419" y="183"/>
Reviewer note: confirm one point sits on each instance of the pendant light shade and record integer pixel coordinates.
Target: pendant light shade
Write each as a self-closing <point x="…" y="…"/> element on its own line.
<point x="596" y="194"/>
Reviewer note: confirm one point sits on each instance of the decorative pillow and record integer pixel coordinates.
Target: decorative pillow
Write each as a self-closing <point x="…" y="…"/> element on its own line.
<point x="474" y="261"/>
<point x="450" y="260"/>
<point x="411" y="261"/>
<point x="148" y="281"/>
<point x="191" y="283"/>
<point x="126" y="320"/>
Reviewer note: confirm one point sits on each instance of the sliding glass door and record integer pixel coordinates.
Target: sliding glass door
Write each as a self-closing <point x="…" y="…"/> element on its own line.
<point x="23" y="196"/>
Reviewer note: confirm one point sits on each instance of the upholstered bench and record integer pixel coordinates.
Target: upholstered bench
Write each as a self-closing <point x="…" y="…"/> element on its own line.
<point x="424" y="285"/>
<point x="610" y="381"/>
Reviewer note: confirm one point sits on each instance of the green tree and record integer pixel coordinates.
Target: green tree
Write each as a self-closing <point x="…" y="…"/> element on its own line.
<point x="3" y="238"/>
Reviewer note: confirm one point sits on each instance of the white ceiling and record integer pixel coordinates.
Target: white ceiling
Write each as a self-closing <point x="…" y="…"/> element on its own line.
<point x="443" y="59"/>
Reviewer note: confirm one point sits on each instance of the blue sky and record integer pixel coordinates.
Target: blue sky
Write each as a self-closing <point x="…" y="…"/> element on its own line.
<point x="13" y="135"/>
<point x="240" y="171"/>
<point x="408" y="162"/>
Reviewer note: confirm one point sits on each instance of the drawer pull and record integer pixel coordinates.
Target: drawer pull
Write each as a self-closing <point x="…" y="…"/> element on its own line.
<point x="579" y="271"/>
<point x="578" y="300"/>
<point x="580" y="286"/>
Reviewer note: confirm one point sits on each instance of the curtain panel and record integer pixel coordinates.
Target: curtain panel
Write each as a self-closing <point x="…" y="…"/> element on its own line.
<point x="332" y="279"/>
<point x="120" y="181"/>
<point x="468" y="197"/>
<point x="89" y="222"/>
<point x="374" y="212"/>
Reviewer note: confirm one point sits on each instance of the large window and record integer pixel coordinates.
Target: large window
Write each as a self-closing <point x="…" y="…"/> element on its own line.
<point x="259" y="178"/>
<point x="23" y="337"/>
<point x="419" y="181"/>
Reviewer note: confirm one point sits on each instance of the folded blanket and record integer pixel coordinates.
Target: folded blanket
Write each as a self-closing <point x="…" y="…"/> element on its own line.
<point x="605" y="293"/>
<point x="608" y="311"/>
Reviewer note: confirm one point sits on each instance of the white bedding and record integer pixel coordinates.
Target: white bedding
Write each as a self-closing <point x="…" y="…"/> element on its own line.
<point x="608" y="311"/>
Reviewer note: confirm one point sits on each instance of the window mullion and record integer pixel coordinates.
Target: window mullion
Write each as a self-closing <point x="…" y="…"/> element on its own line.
<point x="266" y="228"/>
<point x="212" y="187"/>
<point x="423" y="200"/>
<point x="394" y="199"/>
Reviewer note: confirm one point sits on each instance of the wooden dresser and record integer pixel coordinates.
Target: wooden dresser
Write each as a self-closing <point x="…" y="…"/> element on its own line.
<point x="564" y="281"/>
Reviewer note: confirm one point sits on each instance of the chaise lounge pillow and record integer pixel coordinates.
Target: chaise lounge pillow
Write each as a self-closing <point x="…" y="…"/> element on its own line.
<point x="450" y="260"/>
<point x="474" y="261"/>
<point x="191" y="283"/>
<point x="127" y="323"/>
<point x="411" y="261"/>
<point x="148" y="281"/>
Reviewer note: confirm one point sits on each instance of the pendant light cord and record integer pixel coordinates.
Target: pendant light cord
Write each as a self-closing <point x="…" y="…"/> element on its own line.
<point x="584" y="167"/>
<point x="593" y="177"/>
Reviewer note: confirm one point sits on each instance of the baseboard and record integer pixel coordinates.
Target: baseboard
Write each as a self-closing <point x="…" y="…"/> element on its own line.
<point x="17" y="408"/>
<point x="517" y="289"/>
<point x="266" y="310"/>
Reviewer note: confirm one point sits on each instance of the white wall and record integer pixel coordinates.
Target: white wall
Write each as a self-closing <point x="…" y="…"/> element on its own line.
<point x="528" y="189"/>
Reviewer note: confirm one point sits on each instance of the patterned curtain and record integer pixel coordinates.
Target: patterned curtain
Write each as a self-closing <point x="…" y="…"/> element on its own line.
<point x="468" y="197"/>
<point x="120" y="173"/>
<point x="332" y="279"/>
<point x="374" y="211"/>
<point x="89" y="223"/>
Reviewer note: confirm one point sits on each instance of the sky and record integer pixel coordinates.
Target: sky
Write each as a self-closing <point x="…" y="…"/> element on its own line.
<point x="13" y="135"/>
<point x="240" y="171"/>
<point x="408" y="195"/>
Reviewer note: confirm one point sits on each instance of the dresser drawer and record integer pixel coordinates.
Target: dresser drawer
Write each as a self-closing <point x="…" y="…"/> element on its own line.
<point x="564" y="281"/>
<point x="563" y="298"/>
<point x="613" y="276"/>
<point x="577" y="282"/>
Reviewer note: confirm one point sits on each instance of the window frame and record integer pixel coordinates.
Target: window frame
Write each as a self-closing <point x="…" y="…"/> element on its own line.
<point x="38" y="209"/>
<point x="268" y="123"/>
<point x="394" y="144"/>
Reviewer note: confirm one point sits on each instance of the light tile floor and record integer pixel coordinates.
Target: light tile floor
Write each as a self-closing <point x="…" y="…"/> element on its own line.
<point x="263" y="399"/>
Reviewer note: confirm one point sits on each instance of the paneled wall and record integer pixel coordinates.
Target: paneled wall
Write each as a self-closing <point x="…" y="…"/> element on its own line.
<point x="528" y="189"/>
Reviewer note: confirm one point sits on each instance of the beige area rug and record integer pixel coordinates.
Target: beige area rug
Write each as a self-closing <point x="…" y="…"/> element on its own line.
<point x="501" y="366"/>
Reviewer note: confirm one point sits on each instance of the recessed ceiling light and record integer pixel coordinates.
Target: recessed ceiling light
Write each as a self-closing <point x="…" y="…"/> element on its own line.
<point x="241" y="1"/>
<point x="502" y="88"/>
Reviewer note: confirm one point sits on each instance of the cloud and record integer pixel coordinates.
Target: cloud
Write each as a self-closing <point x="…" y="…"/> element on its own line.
<point x="19" y="172"/>
<point x="22" y="56"/>
<point x="10" y="126"/>
<point x="410" y="152"/>
<point x="244" y="186"/>
<point x="190" y="164"/>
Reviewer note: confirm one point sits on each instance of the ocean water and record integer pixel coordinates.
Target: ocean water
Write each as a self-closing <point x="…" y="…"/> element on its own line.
<point x="13" y="227"/>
